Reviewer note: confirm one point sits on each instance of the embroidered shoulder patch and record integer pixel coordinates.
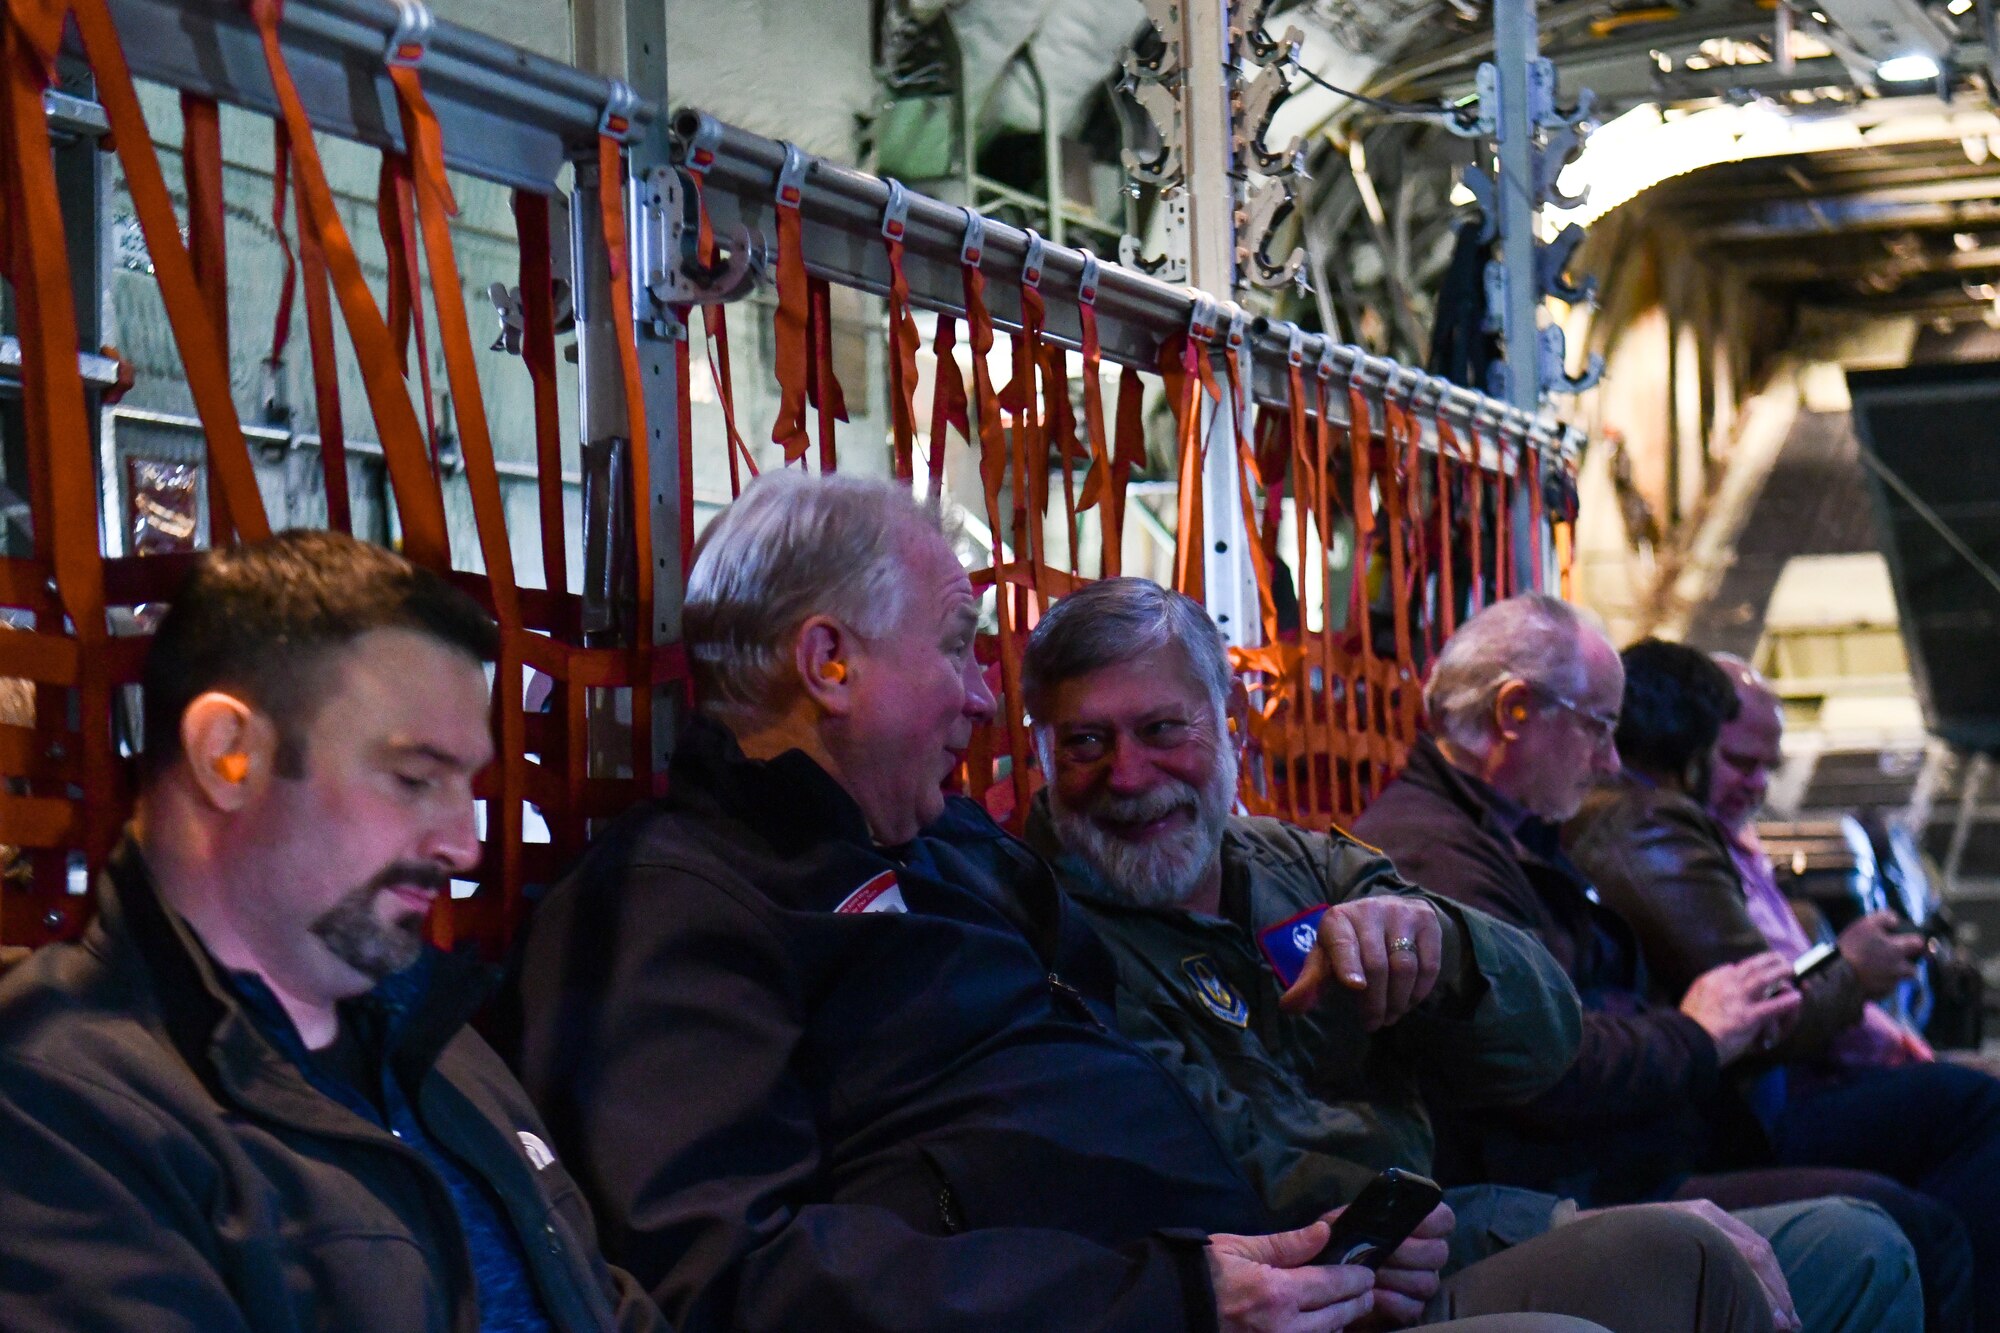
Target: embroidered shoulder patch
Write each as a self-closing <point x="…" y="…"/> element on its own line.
<point x="1214" y="992"/>
<point x="1288" y="944"/>
<point x="880" y="894"/>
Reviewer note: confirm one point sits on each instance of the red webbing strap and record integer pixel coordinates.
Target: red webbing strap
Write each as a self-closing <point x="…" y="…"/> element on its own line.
<point x="435" y="209"/>
<point x="204" y="354"/>
<point x="948" y="402"/>
<point x="1447" y="489"/>
<point x="611" y="218"/>
<point x="1400" y="521"/>
<point x="1099" y="476"/>
<point x="201" y="173"/>
<point x="395" y="217"/>
<point x="1503" y="527"/>
<point x="1060" y="422"/>
<point x="419" y="504"/>
<point x="822" y="386"/>
<point x="1323" y="510"/>
<point x="325" y="367"/>
<point x="1030" y="453"/>
<point x="1475" y="493"/>
<point x="1365" y="692"/>
<point x="715" y="331"/>
<point x="793" y="355"/>
<point x="1246" y="471"/>
<point x="903" y="343"/>
<point x="281" y="176"/>
<point x="992" y="470"/>
<point x="1304" y="715"/>
<point x="1184" y="367"/>
<point x="538" y="354"/>
<point x="1130" y="452"/>
<point x="1531" y="459"/>
<point x="62" y="470"/>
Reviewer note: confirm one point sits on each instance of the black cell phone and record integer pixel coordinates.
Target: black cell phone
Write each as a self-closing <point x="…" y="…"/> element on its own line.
<point x="1814" y="961"/>
<point x="1380" y="1218"/>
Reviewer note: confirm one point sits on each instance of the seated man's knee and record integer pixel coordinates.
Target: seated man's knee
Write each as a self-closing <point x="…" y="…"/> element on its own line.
<point x="1849" y="1265"/>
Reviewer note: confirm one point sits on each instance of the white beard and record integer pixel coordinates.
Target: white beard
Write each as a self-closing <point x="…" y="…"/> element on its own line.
<point x="1167" y="871"/>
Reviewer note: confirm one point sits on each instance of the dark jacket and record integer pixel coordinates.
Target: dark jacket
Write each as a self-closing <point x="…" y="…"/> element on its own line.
<point x="164" y="1167"/>
<point x="1313" y="1105"/>
<point x="1636" y="1112"/>
<point x="795" y="1116"/>
<point x="1663" y="863"/>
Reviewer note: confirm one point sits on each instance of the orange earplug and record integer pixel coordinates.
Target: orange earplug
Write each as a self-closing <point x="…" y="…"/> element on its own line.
<point x="233" y="768"/>
<point x="833" y="671"/>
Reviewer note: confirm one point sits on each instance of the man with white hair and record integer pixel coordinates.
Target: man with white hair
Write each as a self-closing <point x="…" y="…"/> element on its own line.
<point x="831" y="1051"/>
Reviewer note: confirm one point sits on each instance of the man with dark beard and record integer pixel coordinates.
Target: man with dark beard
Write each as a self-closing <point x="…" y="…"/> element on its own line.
<point x="247" y="1099"/>
<point x="1314" y="1088"/>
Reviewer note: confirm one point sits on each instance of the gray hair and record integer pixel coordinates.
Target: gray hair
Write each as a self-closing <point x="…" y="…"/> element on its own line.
<point x="793" y="546"/>
<point x="1534" y="638"/>
<point x="1114" y="621"/>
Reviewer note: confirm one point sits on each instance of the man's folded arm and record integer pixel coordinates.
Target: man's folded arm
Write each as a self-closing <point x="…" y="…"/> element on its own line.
<point x="680" y="1104"/>
<point x="97" y="1235"/>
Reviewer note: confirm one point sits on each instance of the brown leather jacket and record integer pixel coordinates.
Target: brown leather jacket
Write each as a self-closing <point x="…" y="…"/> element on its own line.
<point x="1663" y="863"/>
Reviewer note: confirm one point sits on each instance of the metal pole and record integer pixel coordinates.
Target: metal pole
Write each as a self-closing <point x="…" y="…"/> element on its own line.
<point x="1515" y="46"/>
<point x="1229" y="579"/>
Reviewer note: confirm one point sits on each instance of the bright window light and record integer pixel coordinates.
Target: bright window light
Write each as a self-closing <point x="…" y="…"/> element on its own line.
<point x="1913" y="68"/>
<point x="1959" y="6"/>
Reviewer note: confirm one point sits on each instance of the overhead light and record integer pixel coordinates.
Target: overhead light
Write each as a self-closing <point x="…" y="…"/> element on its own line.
<point x="1958" y="6"/>
<point x="1915" y="67"/>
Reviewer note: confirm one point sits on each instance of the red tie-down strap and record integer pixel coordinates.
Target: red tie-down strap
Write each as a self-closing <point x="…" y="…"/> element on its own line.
<point x="1028" y="463"/>
<point x="1531" y="461"/>
<point x="993" y="456"/>
<point x="1060" y="425"/>
<point x="1562" y="520"/>
<point x="1405" y="563"/>
<point x="1246" y="465"/>
<point x="1187" y="373"/>
<point x="538" y="355"/>
<point x="1129" y="453"/>
<point x="1099" y="476"/>
<point x="395" y="219"/>
<point x="1294" y="457"/>
<point x="903" y="337"/>
<point x="419" y="503"/>
<point x="715" y="331"/>
<point x="823" y="386"/>
<point x="1461" y="481"/>
<point x="1505" y="573"/>
<point x="495" y="917"/>
<point x="793" y="354"/>
<point x="948" y="401"/>
<point x="319" y="339"/>
<point x="201" y="173"/>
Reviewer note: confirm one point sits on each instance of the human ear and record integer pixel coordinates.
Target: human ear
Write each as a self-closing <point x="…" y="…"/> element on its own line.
<point x="1236" y="712"/>
<point x="229" y="747"/>
<point x="821" y="653"/>
<point x="1510" y="709"/>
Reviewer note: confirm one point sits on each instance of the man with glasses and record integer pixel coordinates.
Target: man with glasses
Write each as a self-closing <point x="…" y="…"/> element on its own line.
<point x="1524" y="701"/>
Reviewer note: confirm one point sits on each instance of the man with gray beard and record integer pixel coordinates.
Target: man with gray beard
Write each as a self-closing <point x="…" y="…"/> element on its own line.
<point x="1228" y="930"/>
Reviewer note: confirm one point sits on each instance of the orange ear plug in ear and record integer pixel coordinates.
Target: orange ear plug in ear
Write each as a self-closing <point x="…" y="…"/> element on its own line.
<point x="233" y="767"/>
<point x="833" y="671"/>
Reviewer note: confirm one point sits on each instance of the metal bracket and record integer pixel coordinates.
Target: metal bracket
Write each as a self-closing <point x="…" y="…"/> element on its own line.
<point x="1564" y="144"/>
<point x="1295" y="348"/>
<point x="1260" y="102"/>
<point x="1325" y="368"/>
<point x="699" y="149"/>
<point x="1496" y="296"/>
<point x="1475" y="179"/>
<point x="1086" y="286"/>
<point x="1171" y="264"/>
<point x="1031" y="263"/>
<point x="791" y="187"/>
<point x="1205" y="319"/>
<point x="1160" y="102"/>
<point x="410" y="39"/>
<point x="1551" y="263"/>
<point x="1257" y="221"/>
<point x="619" y="108"/>
<point x="974" y="244"/>
<point x="1165" y="16"/>
<point x="1555" y="364"/>
<point x="666" y="257"/>
<point x="1238" y="339"/>
<point x="1543" y="112"/>
<point x="896" y="213"/>
<point x="1486" y="121"/>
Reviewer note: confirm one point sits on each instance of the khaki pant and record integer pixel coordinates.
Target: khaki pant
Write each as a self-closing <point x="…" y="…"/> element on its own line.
<point x="1631" y="1271"/>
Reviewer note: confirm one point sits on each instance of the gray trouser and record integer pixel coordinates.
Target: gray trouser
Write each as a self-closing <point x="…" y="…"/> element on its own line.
<point x="1644" y="1270"/>
<point x="1655" y="1271"/>
<point x="1850" y="1267"/>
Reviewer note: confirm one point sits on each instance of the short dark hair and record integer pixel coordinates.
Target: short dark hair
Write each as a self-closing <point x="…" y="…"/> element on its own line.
<point x="1676" y="701"/>
<point x="262" y="621"/>
<point x="1114" y="621"/>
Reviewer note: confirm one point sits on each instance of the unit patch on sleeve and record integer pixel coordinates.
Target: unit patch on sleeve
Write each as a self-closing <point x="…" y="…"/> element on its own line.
<point x="880" y="894"/>
<point x="1214" y="992"/>
<point x="1288" y="944"/>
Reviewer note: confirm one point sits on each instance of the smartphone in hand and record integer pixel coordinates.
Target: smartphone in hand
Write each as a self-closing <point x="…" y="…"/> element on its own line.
<point x="1381" y="1218"/>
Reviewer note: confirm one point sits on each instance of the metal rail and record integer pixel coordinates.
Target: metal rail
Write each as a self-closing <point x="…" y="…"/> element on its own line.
<point x="507" y="115"/>
<point x="842" y="210"/>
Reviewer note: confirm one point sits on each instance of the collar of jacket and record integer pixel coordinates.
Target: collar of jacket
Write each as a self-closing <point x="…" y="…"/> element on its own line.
<point x="1529" y="836"/>
<point x="153" y="949"/>
<point x="796" y="804"/>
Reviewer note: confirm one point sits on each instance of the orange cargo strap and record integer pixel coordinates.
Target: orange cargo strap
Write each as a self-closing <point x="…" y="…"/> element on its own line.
<point x="1305" y="488"/>
<point x="1029" y="456"/>
<point x="1531" y="458"/>
<point x="59" y="453"/>
<point x="948" y="403"/>
<point x="435" y="209"/>
<point x="1099" y="476"/>
<point x="395" y="218"/>
<point x="1504" y="570"/>
<point x="903" y="337"/>
<point x="1130" y="453"/>
<point x="538" y="356"/>
<point x="715" y="331"/>
<point x="822" y="386"/>
<point x="419" y="504"/>
<point x="325" y="368"/>
<point x="1060" y="427"/>
<point x="204" y="356"/>
<point x="201" y="173"/>
<point x="1450" y="486"/>
<point x="1246" y="471"/>
<point x="611" y="218"/>
<point x="792" y="354"/>
<point x="1323" y="511"/>
<point x="992" y="468"/>
<point x="1185" y="366"/>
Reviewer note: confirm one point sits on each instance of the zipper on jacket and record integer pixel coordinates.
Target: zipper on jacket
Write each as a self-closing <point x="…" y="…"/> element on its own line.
<point x="950" y="1216"/>
<point x="1073" y="997"/>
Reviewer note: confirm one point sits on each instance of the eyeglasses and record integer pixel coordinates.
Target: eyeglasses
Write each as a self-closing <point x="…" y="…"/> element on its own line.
<point x="1603" y="727"/>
